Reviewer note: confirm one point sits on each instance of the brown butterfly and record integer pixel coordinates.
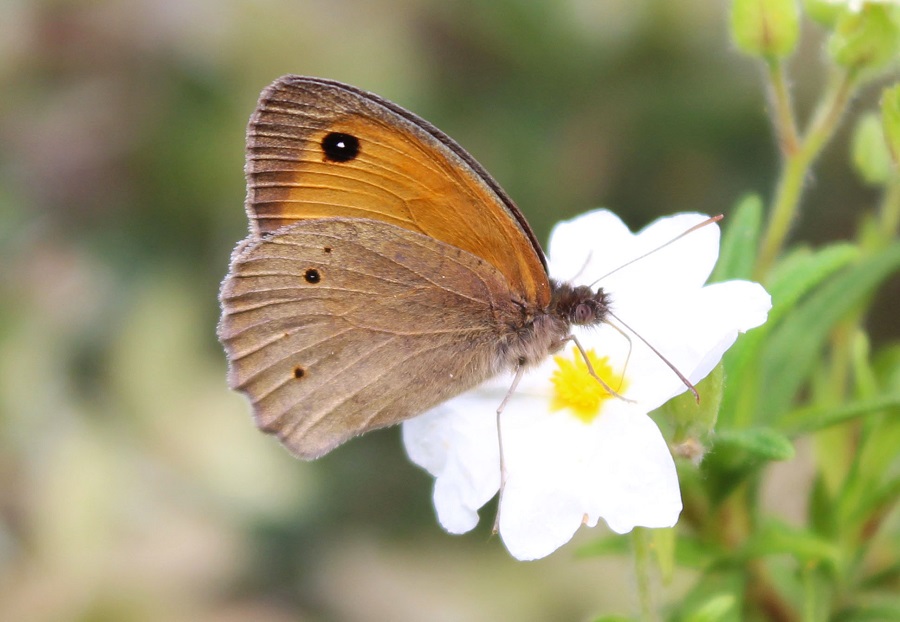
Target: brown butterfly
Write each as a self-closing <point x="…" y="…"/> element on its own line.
<point x="385" y="270"/>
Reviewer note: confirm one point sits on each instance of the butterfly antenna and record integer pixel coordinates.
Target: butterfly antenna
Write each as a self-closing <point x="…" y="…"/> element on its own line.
<point x="708" y="221"/>
<point x="681" y="376"/>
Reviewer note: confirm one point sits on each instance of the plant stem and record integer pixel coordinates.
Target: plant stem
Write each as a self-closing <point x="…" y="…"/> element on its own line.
<point x="783" y="118"/>
<point x="796" y="164"/>
<point x="640" y="538"/>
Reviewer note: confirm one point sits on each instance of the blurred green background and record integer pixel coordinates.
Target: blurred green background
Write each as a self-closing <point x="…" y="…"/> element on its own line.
<point x="133" y="484"/>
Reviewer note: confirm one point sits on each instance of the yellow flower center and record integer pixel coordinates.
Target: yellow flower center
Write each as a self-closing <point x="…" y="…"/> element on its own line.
<point x="580" y="392"/>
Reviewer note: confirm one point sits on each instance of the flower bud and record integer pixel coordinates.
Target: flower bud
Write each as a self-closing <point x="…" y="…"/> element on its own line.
<point x="870" y="151"/>
<point x="866" y="40"/>
<point x="765" y="28"/>
<point x="825" y="12"/>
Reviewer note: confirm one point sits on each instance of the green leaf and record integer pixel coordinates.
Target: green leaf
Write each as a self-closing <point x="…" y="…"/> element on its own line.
<point x="870" y="153"/>
<point x="791" y="279"/>
<point x="714" y="610"/>
<point x="876" y="502"/>
<point x="737" y="455"/>
<point x="802" y="271"/>
<point x="757" y="444"/>
<point x="695" y="420"/>
<point x="793" y="349"/>
<point x="815" y="418"/>
<point x="824" y="11"/>
<point x="740" y="241"/>
<point x="776" y="538"/>
<point x="606" y="545"/>
<point x="887" y="366"/>
<point x="709" y="589"/>
<point x="663" y="542"/>
<point x="888" y="609"/>
<point x="765" y="28"/>
<point x="615" y="618"/>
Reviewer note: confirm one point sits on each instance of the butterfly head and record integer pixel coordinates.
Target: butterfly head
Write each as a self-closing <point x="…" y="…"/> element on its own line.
<point x="579" y="304"/>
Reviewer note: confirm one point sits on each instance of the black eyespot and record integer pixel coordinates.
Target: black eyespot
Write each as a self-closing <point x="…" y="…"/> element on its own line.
<point x="340" y="147"/>
<point x="327" y="249"/>
<point x="299" y="372"/>
<point x="312" y="276"/>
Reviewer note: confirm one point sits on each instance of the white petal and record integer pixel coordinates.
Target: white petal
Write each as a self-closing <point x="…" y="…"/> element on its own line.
<point x="542" y="504"/>
<point x="457" y="444"/>
<point x="563" y="472"/>
<point x="653" y="284"/>
<point x="639" y="483"/>
<point x="593" y="240"/>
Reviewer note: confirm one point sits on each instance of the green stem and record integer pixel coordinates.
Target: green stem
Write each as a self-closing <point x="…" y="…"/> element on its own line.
<point x="795" y="168"/>
<point x="809" y="595"/>
<point x="783" y="118"/>
<point x="643" y="564"/>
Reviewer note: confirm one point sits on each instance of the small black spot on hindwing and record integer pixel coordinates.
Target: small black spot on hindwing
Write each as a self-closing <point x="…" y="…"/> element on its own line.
<point x="327" y="249"/>
<point x="340" y="147"/>
<point x="312" y="276"/>
<point x="299" y="372"/>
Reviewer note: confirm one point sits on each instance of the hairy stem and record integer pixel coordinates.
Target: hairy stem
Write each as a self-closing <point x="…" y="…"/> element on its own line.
<point x="643" y="566"/>
<point x="796" y="164"/>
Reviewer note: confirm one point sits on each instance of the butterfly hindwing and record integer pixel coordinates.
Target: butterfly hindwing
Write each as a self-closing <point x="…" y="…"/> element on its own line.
<point x="334" y="327"/>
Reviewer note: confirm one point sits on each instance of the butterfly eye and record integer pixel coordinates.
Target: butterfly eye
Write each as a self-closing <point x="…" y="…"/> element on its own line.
<point x="583" y="314"/>
<point x="340" y="147"/>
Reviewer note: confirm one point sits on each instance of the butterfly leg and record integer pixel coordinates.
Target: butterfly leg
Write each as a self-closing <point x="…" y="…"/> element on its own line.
<point x="591" y="371"/>
<point x="520" y="370"/>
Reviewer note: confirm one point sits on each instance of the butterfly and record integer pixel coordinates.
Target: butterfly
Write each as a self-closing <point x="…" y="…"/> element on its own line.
<point x="385" y="271"/>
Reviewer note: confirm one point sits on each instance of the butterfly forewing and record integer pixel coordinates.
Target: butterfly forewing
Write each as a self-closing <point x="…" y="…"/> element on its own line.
<point x="319" y="149"/>
<point x="338" y="326"/>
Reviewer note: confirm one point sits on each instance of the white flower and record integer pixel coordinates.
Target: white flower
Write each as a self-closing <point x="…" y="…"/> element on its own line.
<point x="573" y="453"/>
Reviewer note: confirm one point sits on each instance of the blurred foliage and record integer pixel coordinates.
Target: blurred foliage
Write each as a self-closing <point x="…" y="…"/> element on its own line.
<point x="134" y="485"/>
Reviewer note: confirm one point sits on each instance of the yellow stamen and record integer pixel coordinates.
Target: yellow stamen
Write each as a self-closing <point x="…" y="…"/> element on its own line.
<point x="580" y="392"/>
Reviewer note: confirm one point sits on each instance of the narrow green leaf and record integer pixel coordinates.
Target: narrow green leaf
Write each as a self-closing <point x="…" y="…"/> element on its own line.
<point x="776" y="538"/>
<point x="709" y="588"/>
<point x="740" y="240"/>
<point x="885" y="578"/>
<point x="603" y="546"/>
<point x="889" y="609"/>
<point x="739" y="454"/>
<point x="813" y="419"/>
<point x="763" y="444"/>
<point x="802" y="271"/>
<point x="663" y="541"/>
<point x="792" y="350"/>
<point x="876" y="502"/>
<point x="714" y="610"/>
<point x="793" y="277"/>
